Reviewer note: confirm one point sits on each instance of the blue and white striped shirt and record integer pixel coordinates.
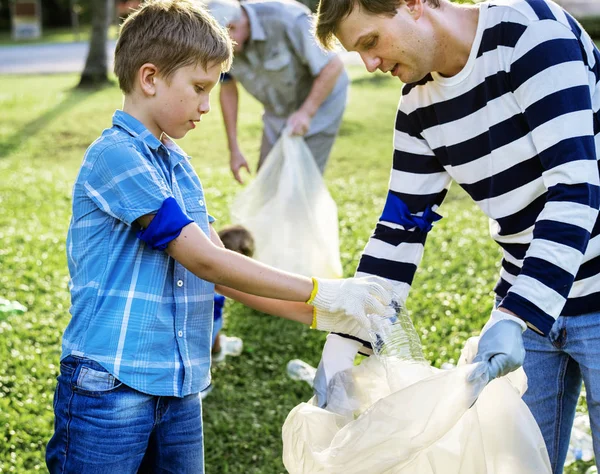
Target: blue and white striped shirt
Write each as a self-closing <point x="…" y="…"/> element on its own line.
<point x="135" y="310"/>
<point x="519" y="129"/>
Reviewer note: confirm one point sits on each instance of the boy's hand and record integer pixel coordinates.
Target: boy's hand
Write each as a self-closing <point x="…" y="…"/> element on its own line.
<point x="336" y="301"/>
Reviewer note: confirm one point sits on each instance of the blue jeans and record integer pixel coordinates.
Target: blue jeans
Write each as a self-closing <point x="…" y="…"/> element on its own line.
<point x="555" y="366"/>
<point x="104" y="426"/>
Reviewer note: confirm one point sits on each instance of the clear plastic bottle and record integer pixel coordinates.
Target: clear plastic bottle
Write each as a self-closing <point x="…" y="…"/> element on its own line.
<point x="396" y="337"/>
<point x="299" y="370"/>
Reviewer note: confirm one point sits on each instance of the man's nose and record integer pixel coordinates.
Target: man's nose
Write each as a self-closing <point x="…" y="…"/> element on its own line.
<point x="371" y="62"/>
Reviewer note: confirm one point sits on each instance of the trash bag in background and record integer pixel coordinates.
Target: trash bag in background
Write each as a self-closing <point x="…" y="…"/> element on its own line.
<point x="290" y="213"/>
<point x="395" y="416"/>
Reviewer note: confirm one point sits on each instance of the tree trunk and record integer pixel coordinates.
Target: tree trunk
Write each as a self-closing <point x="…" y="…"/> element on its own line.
<point x="95" y="71"/>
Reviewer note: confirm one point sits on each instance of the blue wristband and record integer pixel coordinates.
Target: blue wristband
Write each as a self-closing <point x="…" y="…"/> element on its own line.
<point x="166" y="225"/>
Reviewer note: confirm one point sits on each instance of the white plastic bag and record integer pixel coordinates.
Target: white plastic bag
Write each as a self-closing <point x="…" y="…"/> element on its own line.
<point x="426" y="425"/>
<point x="290" y="213"/>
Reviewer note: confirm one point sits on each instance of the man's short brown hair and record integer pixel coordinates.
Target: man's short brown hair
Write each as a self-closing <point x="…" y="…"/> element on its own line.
<point x="169" y="34"/>
<point x="237" y="238"/>
<point x="331" y="12"/>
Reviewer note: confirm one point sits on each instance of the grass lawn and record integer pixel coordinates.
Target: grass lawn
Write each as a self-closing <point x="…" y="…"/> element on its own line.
<point x="45" y="130"/>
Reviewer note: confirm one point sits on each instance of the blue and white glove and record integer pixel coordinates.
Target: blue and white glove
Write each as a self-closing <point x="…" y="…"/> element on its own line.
<point x="501" y="344"/>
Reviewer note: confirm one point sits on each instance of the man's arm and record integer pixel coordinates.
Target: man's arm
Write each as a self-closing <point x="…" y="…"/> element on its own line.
<point x="228" y="98"/>
<point x="418" y="185"/>
<point x="299" y="121"/>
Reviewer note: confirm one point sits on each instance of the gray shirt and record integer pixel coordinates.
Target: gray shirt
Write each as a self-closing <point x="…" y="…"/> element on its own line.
<point x="280" y="62"/>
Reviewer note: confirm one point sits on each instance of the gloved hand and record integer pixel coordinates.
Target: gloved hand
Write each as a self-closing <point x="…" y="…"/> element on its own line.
<point x="343" y="305"/>
<point x="501" y="344"/>
<point x="338" y="354"/>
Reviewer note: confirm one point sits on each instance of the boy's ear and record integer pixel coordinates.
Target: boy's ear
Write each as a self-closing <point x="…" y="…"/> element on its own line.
<point x="147" y="75"/>
<point x="415" y="8"/>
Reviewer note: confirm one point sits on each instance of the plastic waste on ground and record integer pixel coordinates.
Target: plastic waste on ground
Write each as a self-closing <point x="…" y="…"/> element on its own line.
<point x="229" y="346"/>
<point x="7" y="306"/>
<point x="290" y="213"/>
<point x="395" y="414"/>
<point x="581" y="446"/>
<point x="299" y="370"/>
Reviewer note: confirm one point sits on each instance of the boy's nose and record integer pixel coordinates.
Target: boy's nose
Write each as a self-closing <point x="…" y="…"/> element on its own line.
<point x="204" y="106"/>
<point x="371" y="62"/>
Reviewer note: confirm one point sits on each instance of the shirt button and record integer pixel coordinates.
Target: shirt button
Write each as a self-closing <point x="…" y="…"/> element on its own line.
<point x="201" y="202"/>
<point x="180" y="333"/>
<point x="179" y="283"/>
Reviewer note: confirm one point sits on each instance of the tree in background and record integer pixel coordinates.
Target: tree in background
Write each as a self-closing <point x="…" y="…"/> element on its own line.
<point x="95" y="71"/>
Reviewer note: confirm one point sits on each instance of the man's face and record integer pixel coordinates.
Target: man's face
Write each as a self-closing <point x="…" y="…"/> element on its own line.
<point x="183" y="100"/>
<point x="400" y="45"/>
<point x="239" y="35"/>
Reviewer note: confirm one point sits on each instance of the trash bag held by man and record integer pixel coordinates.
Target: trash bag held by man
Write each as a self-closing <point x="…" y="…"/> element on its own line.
<point x="394" y="416"/>
<point x="290" y="213"/>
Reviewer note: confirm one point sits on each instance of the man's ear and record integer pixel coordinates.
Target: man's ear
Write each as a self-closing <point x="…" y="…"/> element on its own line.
<point x="147" y="76"/>
<point x="415" y="8"/>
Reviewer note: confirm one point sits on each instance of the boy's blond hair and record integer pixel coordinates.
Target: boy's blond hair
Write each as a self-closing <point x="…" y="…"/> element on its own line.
<point x="169" y="34"/>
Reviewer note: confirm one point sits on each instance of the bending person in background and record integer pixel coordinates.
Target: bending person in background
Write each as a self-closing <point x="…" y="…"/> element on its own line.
<point x="277" y="60"/>
<point x="504" y="99"/>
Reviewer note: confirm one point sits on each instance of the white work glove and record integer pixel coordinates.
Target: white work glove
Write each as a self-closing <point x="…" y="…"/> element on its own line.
<point x="501" y="344"/>
<point x="338" y="305"/>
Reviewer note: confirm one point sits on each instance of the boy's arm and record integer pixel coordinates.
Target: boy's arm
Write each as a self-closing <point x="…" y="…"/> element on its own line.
<point x="195" y="251"/>
<point x="300" y="312"/>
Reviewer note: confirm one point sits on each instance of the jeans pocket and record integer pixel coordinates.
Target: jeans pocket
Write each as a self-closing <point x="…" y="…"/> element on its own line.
<point x="94" y="382"/>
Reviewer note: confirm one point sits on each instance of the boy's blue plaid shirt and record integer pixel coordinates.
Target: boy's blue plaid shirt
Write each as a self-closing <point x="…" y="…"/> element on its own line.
<point x="135" y="310"/>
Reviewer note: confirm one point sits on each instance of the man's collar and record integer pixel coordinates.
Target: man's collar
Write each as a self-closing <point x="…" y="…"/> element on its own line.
<point x="257" y="32"/>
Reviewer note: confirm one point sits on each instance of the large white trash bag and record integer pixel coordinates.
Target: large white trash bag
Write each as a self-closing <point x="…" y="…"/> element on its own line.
<point x="290" y="213"/>
<point x="426" y="424"/>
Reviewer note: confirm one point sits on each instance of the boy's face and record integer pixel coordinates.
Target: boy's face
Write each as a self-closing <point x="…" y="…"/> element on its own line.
<point x="182" y="101"/>
<point x="400" y="45"/>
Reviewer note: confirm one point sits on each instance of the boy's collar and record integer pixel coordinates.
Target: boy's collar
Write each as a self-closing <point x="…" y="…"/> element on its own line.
<point x="135" y="128"/>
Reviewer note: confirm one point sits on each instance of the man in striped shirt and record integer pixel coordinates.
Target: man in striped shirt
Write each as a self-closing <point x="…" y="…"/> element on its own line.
<point x="502" y="98"/>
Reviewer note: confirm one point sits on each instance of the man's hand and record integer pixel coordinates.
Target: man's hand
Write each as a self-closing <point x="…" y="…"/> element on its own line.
<point x="501" y="344"/>
<point x="236" y="163"/>
<point x="299" y="122"/>
<point x="339" y="304"/>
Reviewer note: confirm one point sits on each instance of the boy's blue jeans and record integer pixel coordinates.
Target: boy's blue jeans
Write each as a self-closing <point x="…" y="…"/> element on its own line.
<point x="555" y="366"/>
<point x="103" y="426"/>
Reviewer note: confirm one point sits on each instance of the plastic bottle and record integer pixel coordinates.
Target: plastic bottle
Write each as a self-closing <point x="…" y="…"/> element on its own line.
<point x="299" y="370"/>
<point x="581" y="445"/>
<point x="7" y="306"/>
<point x="396" y="337"/>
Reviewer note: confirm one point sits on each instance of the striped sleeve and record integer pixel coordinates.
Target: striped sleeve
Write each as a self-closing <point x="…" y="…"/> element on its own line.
<point x="550" y="81"/>
<point x="418" y="185"/>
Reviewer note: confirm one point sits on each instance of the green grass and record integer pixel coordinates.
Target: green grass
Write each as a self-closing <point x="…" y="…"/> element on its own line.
<point x="47" y="126"/>
<point x="56" y="35"/>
